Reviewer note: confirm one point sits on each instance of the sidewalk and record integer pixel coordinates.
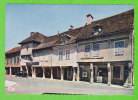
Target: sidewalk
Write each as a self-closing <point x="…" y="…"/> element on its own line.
<point x="82" y="82"/>
<point x="9" y="83"/>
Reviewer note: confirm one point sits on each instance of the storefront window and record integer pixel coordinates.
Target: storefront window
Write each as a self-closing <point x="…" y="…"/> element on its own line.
<point x="116" y="72"/>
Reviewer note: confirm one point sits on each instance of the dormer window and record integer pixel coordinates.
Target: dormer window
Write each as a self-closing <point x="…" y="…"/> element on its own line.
<point x="97" y="29"/>
<point x="65" y="39"/>
<point x="63" y="42"/>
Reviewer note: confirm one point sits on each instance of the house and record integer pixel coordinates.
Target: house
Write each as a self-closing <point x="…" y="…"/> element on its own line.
<point x="105" y="49"/>
<point x="100" y="51"/>
<point x="26" y="51"/>
<point x="12" y="61"/>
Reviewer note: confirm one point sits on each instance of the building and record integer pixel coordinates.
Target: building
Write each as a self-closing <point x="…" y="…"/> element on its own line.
<point x="105" y="49"/>
<point x="100" y="51"/>
<point x="12" y="61"/>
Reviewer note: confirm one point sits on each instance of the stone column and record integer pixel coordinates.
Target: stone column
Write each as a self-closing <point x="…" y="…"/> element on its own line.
<point x="91" y="73"/>
<point x="78" y="72"/>
<point x="10" y="71"/>
<point x="43" y="72"/>
<point x="112" y="72"/>
<point x="109" y="74"/>
<point x="34" y="72"/>
<point x="96" y="72"/>
<point x="62" y="72"/>
<point x="74" y="74"/>
<point x="122" y="72"/>
<point x="27" y="70"/>
<point x="21" y="69"/>
<point x="130" y="75"/>
<point x="51" y="73"/>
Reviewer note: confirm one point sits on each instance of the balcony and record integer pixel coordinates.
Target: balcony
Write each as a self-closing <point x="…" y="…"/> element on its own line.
<point x="92" y="59"/>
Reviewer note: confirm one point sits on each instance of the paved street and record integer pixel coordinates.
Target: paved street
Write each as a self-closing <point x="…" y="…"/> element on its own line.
<point x="47" y="86"/>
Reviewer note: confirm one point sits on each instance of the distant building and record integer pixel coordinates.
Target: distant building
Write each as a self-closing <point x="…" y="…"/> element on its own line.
<point x="100" y="51"/>
<point x="12" y="61"/>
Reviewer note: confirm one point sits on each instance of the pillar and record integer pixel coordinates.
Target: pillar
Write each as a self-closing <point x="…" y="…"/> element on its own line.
<point x="96" y="72"/>
<point x="26" y="70"/>
<point x="130" y="75"/>
<point x="33" y="72"/>
<point x="78" y="72"/>
<point x="62" y="72"/>
<point x="51" y="73"/>
<point x="10" y="71"/>
<point x="43" y="72"/>
<point x="74" y="74"/>
<point x="91" y="73"/>
<point x="21" y="69"/>
<point x="122" y="72"/>
<point x="109" y="74"/>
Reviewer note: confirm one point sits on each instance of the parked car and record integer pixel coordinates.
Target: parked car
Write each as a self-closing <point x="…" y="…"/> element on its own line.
<point x="21" y="74"/>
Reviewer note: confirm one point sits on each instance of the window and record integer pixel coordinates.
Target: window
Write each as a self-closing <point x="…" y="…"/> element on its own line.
<point x="60" y="55"/>
<point x="87" y="51"/>
<point x="87" y="48"/>
<point x="11" y="60"/>
<point x="95" y="50"/>
<point x="18" y="59"/>
<point x="7" y="61"/>
<point x="116" y="72"/>
<point x="67" y="54"/>
<point x="15" y="60"/>
<point x="119" y="48"/>
<point x="97" y="29"/>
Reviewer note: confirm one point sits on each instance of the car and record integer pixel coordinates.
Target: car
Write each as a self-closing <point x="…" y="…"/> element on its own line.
<point x="21" y="74"/>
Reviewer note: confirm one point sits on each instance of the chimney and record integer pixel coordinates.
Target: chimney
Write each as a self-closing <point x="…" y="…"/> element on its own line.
<point x="71" y="27"/>
<point x="58" y="33"/>
<point x="32" y="33"/>
<point x="89" y="19"/>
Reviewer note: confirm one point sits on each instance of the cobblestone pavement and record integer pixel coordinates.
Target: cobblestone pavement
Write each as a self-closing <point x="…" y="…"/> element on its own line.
<point x="47" y="86"/>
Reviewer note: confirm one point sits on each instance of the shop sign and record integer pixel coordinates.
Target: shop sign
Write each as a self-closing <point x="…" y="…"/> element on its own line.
<point x="32" y="63"/>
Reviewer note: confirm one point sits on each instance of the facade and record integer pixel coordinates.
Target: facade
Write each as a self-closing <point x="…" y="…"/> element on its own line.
<point x="12" y="61"/>
<point x="100" y="51"/>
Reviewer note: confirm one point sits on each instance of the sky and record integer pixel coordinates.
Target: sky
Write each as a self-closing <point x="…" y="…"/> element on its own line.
<point x="21" y="19"/>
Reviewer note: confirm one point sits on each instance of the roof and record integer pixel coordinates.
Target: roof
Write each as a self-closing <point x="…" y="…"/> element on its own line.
<point x="14" y="50"/>
<point x="56" y="39"/>
<point x="34" y="37"/>
<point x="48" y="42"/>
<point x="109" y="25"/>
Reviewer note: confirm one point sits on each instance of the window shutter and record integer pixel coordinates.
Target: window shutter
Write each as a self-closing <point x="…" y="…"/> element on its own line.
<point x="95" y="50"/>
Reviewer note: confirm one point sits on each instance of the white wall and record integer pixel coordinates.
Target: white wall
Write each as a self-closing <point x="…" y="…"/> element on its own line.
<point x="64" y="62"/>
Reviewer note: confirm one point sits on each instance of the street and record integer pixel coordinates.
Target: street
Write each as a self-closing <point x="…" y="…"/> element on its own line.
<point x="46" y="86"/>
